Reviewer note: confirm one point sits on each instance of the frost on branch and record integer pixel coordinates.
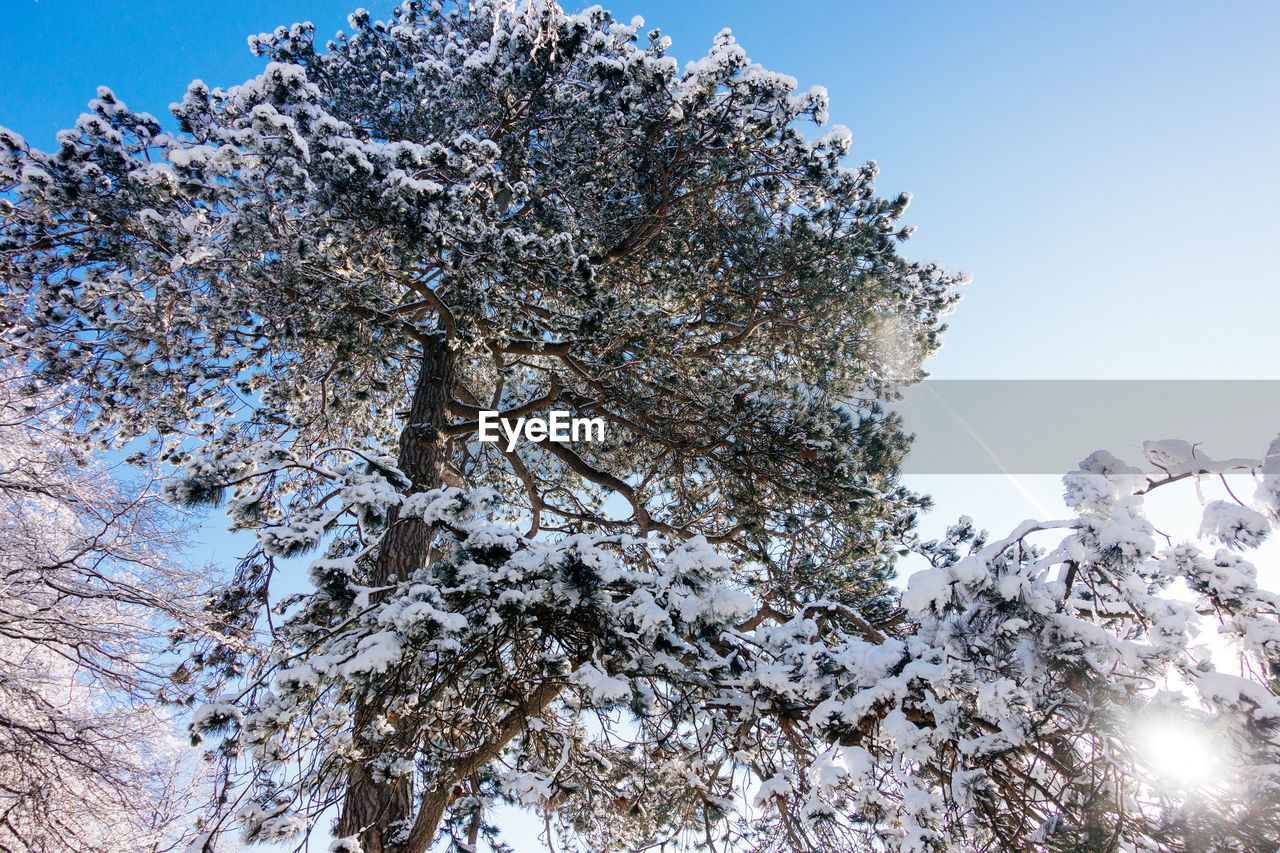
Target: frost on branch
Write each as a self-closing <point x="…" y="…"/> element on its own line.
<point x="89" y="593"/>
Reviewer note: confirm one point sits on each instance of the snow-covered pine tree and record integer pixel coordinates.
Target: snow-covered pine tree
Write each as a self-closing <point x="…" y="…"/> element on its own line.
<point x="309" y="291"/>
<point x="1100" y="682"/>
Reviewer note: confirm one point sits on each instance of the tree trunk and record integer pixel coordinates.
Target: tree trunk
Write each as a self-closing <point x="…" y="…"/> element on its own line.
<point x="374" y="811"/>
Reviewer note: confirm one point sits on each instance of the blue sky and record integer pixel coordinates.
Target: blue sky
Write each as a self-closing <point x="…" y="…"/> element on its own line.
<point x="1106" y="170"/>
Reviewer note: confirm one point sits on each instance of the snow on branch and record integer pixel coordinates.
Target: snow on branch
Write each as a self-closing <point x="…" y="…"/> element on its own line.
<point x="650" y="693"/>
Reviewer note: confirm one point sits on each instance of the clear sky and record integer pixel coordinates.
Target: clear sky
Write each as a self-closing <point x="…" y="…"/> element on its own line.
<point x="1108" y="171"/>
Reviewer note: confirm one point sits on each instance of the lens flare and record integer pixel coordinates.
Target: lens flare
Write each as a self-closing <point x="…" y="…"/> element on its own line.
<point x="1178" y="752"/>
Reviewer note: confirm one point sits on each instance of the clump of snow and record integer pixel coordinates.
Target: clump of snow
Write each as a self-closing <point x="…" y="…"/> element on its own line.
<point x="778" y="786"/>
<point x="375" y="653"/>
<point x="928" y="591"/>
<point x="1234" y="525"/>
<point x="349" y="844"/>
<point x="602" y="688"/>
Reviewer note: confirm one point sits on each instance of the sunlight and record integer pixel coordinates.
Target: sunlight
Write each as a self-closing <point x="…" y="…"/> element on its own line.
<point x="1179" y="752"/>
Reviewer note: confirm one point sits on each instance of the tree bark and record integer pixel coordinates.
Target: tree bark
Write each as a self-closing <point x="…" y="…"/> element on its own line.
<point x="375" y="812"/>
<point x="422" y="459"/>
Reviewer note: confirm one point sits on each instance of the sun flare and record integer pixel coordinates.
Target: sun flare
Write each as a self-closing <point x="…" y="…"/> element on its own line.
<point x="1179" y="752"/>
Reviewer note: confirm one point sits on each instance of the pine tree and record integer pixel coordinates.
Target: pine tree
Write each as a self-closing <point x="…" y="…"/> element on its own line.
<point x="309" y="292"/>
<point x="308" y="295"/>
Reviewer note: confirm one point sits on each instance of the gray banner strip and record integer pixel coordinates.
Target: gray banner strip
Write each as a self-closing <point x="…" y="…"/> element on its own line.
<point x="981" y="426"/>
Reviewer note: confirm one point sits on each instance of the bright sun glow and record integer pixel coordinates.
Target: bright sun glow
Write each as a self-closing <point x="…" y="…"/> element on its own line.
<point x="1179" y="752"/>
